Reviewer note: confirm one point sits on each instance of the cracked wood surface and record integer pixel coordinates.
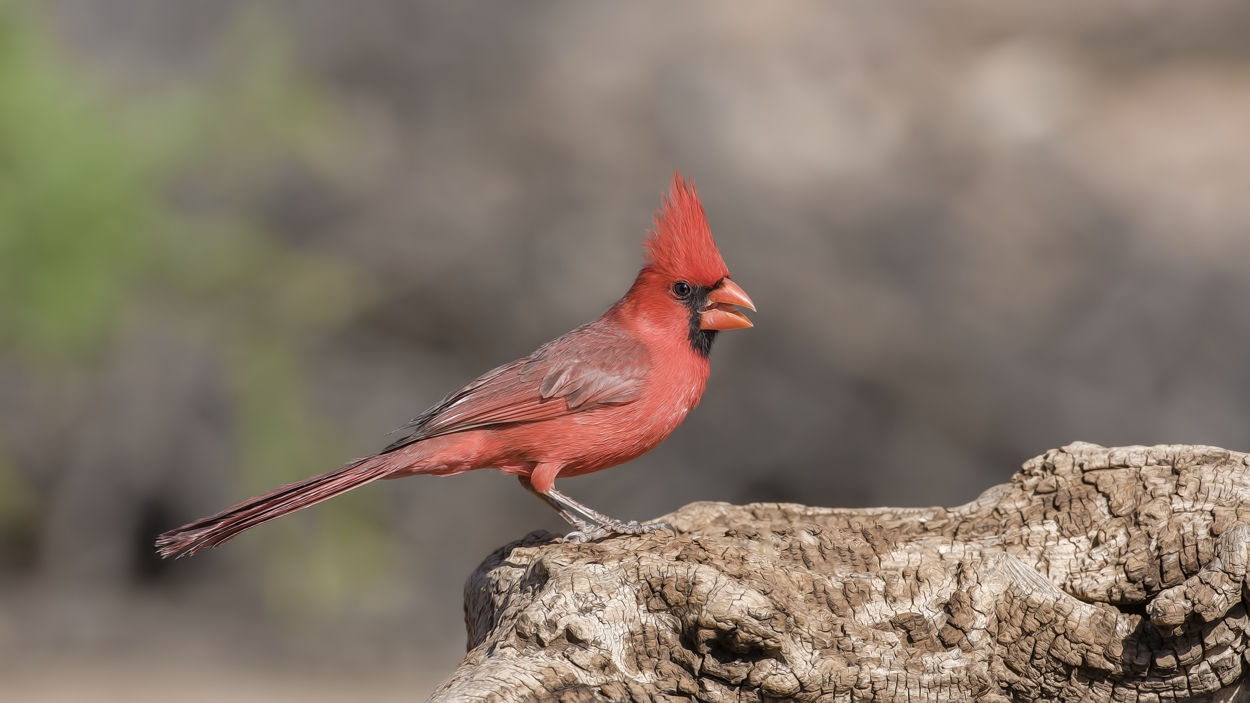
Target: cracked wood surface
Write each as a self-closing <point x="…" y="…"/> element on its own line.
<point x="1096" y="574"/>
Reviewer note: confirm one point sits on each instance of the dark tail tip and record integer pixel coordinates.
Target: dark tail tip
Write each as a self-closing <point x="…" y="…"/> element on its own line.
<point x="177" y="543"/>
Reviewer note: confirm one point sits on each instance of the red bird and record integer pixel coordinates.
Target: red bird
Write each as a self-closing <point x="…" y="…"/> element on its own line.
<point x="599" y="396"/>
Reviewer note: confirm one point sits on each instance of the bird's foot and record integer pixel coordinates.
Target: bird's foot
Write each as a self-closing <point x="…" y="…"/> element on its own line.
<point x="584" y="535"/>
<point x="584" y="531"/>
<point x="588" y="533"/>
<point x="591" y="524"/>
<point x="633" y="527"/>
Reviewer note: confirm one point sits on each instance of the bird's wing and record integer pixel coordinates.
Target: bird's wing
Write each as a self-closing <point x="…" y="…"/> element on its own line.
<point x="588" y="368"/>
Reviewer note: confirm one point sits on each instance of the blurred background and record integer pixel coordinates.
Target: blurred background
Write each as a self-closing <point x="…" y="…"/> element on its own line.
<point x="242" y="241"/>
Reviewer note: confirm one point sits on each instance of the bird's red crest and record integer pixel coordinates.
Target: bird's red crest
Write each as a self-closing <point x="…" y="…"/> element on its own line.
<point x="681" y="242"/>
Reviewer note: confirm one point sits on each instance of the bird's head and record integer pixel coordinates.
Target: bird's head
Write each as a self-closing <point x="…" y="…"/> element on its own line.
<point x="685" y="277"/>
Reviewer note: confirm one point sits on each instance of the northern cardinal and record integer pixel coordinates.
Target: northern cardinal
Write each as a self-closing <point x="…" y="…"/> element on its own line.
<point x="599" y="396"/>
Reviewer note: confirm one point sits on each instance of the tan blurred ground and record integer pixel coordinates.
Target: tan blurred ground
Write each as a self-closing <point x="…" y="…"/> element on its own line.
<point x="104" y="681"/>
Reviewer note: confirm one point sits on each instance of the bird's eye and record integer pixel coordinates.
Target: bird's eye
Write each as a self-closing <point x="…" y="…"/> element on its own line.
<point x="681" y="289"/>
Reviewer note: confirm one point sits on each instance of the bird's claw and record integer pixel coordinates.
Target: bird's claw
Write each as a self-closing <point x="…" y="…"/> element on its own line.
<point x="633" y="527"/>
<point x="659" y="526"/>
<point x="588" y="533"/>
<point x="585" y="533"/>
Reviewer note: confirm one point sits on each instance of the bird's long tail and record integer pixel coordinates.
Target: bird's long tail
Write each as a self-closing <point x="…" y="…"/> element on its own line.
<point x="215" y="529"/>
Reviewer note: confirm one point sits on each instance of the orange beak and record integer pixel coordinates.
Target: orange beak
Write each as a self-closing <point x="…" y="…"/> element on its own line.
<point x="721" y="313"/>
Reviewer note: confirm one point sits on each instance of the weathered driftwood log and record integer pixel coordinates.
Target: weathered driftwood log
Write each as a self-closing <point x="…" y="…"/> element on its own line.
<point x="1094" y="575"/>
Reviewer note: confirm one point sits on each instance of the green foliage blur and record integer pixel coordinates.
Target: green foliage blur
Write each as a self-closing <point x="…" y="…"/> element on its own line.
<point x="92" y="238"/>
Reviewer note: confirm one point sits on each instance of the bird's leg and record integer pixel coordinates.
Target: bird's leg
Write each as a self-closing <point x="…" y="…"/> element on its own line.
<point x="583" y="528"/>
<point x="590" y="524"/>
<point x="598" y="519"/>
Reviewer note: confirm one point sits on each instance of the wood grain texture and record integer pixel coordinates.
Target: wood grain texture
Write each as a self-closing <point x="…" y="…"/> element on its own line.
<point x="1096" y="574"/>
